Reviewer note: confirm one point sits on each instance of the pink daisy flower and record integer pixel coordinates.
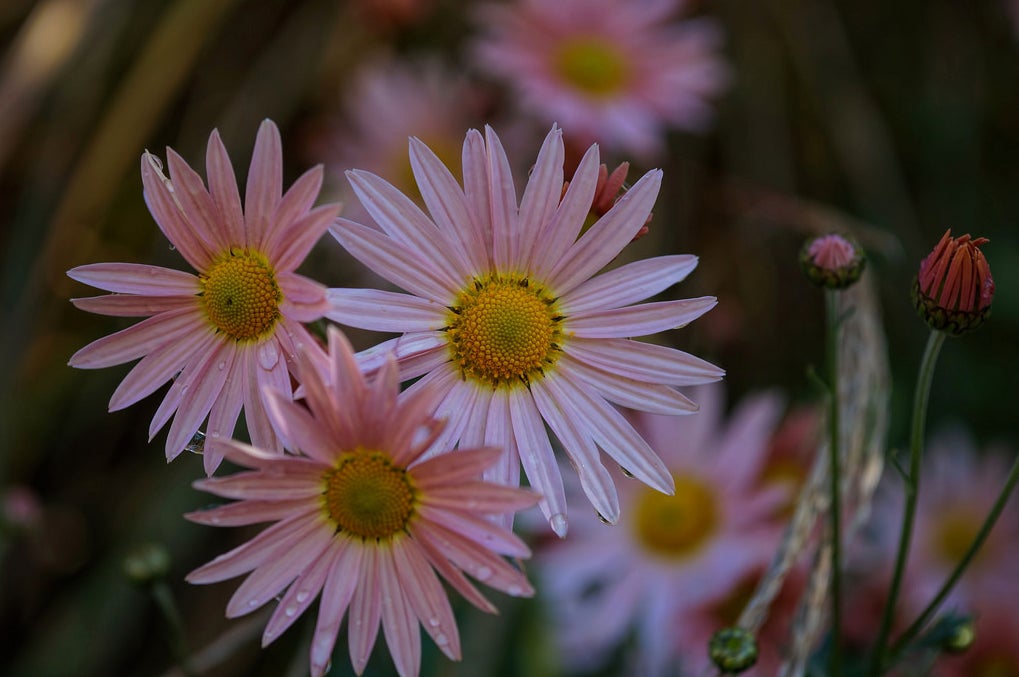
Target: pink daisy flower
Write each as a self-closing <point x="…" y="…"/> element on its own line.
<point x="613" y="70"/>
<point x="389" y="100"/>
<point x="505" y="319"/>
<point x="229" y="331"/>
<point x="363" y="518"/>
<point x="958" y="486"/>
<point x="657" y="570"/>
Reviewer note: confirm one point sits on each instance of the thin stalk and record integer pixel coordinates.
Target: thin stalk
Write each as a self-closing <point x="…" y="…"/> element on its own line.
<point x="920" y="399"/>
<point x="164" y="600"/>
<point x="978" y="541"/>
<point x="834" y="464"/>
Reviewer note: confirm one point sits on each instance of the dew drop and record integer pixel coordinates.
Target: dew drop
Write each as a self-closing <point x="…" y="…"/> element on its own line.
<point x="514" y="591"/>
<point x="290" y="611"/>
<point x="603" y="519"/>
<point x="627" y="472"/>
<point x="483" y="573"/>
<point x="434" y="622"/>
<point x="441" y="640"/>
<point x="252" y="603"/>
<point x="197" y="443"/>
<point x="268" y="355"/>
<point x="559" y="524"/>
<point x="214" y="520"/>
<point x="221" y="366"/>
<point x="302" y="596"/>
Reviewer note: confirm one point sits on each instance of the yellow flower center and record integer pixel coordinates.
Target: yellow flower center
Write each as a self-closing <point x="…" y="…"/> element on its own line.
<point x="366" y="496"/>
<point x="954" y="534"/>
<point x="594" y="66"/>
<point x="504" y="330"/>
<point x="679" y="525"/>
<point x="240" y="295"/>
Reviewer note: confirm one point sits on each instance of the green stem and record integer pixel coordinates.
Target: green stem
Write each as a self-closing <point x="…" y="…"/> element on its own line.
<point x="178" y="643"/>
<point x="920" y="399"/>
<point x="910" y="634"/>
<point x="834" y="463"/>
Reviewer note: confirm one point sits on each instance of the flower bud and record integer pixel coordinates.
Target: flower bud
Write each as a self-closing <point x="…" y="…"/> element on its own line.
<point x="832" y="261"/>
<point x="953" y="633"/>
<point x="146" y="563"/>
<point x="607" y="191"/>
<point x="954" y="288"/>
<point x="733" y="650"/>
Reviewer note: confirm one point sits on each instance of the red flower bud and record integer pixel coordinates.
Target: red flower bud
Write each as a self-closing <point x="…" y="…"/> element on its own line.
<point x="954" y="288"/>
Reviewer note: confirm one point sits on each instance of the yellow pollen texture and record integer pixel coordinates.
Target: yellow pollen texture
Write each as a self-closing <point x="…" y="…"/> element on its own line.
<point x="240" y="295"/>
<point x="504" y="330"/>
<point x="366" y="496"/>
<point x="676" y="526"/>
<point x="593" y="65"/>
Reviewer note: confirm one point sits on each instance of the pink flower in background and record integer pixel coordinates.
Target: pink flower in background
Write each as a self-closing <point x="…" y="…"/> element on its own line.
<point x="362" y="518"/>
<point x="390" y="100"/>
<point x="227" y="332"/>
<point x="957" y="489"/>
<point x="671" y="556"/>
<point x="507" y="318"/>
<point x="616" y="71"/>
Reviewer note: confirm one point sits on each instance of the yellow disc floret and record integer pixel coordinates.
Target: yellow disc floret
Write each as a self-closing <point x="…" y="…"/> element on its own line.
<point x="504" y="330"/>
<point x="592" y="65"/>
<point x="954" y="533"/>
<point x="676" y="526"/>
<point x="367" y="496"/>
<point x="240" y="295"/>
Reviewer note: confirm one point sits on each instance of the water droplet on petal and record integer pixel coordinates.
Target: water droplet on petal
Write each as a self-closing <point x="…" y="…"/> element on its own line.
<point x="252" y="603"/>
<point x="514" y="591"/>
<point x="434" y="622"/>
<point x="215" y="520"/>
<point x="603" y="519"/>
<point x="221" y="366"/>
<point x="559" y="524"/>
<point x="302" y="596"/>
<point x="627" y="472"/>
<point x="290" y="611"/>
<point x="483" y="573"/>
<point x="441" y="640"/>
<point x="268" y="355"/>
<point x="197" y="443"/>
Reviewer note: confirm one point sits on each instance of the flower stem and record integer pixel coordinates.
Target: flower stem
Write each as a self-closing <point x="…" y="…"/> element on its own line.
<point x="985" y="529"/>
<point x="834" y="463"/>
<point x="920" y="399"/>
<point x="178" y="643"/>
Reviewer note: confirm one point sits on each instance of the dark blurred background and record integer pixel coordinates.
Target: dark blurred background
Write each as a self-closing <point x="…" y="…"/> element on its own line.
<point x="892" y="120"/>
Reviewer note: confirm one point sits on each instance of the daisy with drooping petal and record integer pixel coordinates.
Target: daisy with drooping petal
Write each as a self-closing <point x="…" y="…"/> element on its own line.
<point x="670" y="556"/>
<point x="615" y="71"/>
<point x="507" y="317"/>
<point x="227" y="332"/>
<point x="362" y="517"/>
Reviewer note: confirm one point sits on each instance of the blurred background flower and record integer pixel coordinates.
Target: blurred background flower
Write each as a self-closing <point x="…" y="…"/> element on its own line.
<point x="650" y="578"/>
<point x="616" y="72"/>
<point x="890" y="121"/>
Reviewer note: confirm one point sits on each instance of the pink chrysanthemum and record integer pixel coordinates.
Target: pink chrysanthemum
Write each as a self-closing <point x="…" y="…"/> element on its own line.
<point x="615" y="71"/>
<point x="389" y="100"/>
<point x="958" y="487"/>
<point x="230" y="330"/>
<point x="505" y="318"/>
<point x="360" y="517"/>
<point x="672" y="555"/>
